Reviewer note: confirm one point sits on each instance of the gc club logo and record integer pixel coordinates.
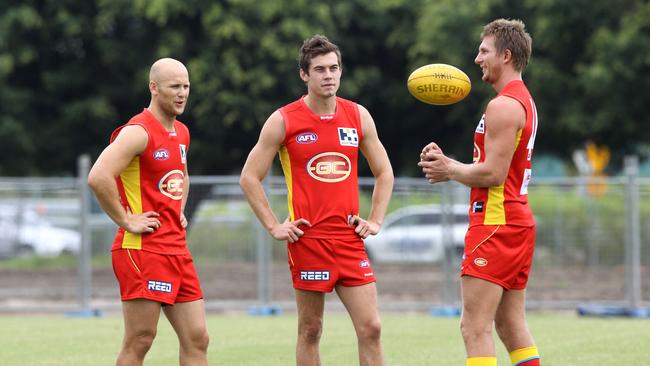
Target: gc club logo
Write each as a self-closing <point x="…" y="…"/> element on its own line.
<point x="329" y="167"/>
<point x="481" y="262"/>
<point x="171" y="184"/>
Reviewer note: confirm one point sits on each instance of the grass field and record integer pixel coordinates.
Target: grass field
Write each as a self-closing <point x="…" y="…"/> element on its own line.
<point x="409" y="339"/>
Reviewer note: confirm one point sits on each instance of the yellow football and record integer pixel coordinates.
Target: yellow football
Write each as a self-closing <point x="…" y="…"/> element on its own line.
<point x="439" y="84"/>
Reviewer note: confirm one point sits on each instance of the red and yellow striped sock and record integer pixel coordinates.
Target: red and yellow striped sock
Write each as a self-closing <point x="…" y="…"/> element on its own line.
<point x="528" y="356"/>
<point x="482" y="361"/>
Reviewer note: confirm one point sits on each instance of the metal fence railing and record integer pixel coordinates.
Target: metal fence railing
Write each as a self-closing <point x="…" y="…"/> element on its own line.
<point x="593" y="244"/>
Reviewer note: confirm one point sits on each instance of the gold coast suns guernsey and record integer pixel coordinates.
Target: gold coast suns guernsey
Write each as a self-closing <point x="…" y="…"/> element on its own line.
<point x="507" y="204"/>
<point x="319" y="161"/>
<point x="153" y="181"/>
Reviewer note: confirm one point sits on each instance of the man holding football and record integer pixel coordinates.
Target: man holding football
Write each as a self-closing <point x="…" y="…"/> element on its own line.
<point x="500" y="239"/>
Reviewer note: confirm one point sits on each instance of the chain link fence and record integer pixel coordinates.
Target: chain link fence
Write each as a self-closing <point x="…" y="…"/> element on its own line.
<point x="593" y="244"/>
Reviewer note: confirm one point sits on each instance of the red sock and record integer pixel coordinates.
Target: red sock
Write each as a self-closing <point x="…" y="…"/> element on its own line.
<point x="533" y="362"/>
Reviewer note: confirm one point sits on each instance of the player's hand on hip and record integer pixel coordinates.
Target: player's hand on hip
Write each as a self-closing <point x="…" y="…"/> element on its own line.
<point x="183" y="220"/>
<point x="289" y="230"/>
<point x="365" y="228"/>
<point x="146" y="222"/>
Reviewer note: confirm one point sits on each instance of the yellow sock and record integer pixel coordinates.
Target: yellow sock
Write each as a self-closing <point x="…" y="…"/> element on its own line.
<point x="525" y="356"/>
<point x="482" y="361"/>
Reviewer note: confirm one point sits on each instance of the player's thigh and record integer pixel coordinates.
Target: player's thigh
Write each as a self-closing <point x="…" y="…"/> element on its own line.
<point x="310" y="306"/>
<point x="480" y="299"/>
<point x="187" y="319"/>
<point x="361" y="302"/>
<point x="140" y="316"/>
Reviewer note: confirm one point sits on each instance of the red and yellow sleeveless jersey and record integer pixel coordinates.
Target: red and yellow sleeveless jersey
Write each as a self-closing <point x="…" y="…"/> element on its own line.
<point x="319" y="161"/>
<point x="507" y="204"/>
<point x="153" y="181"/>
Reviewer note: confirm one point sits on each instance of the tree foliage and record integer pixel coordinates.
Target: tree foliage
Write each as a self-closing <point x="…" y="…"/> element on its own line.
<point x="73" y="71"/>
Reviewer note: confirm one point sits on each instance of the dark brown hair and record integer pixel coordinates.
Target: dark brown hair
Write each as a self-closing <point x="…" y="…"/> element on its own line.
<point x="317" y="45"/>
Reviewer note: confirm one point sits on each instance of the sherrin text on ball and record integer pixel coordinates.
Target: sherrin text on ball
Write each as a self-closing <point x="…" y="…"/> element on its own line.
<point x="439" y="84"/>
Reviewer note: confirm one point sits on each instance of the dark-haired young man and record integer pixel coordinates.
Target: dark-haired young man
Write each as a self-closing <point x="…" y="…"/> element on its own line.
<point x="318" y="138"/>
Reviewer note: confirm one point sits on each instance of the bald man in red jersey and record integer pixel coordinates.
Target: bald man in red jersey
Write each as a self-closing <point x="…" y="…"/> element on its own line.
<point x="318" y="138"/>
<point x="141" y="181"/>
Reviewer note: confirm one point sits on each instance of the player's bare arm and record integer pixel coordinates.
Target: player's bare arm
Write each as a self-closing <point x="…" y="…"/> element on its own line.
<point x="130" y="142"/>
<point x="375" y="153"/>
<point x="253" y="173"/>
<point x="504" y="117"/>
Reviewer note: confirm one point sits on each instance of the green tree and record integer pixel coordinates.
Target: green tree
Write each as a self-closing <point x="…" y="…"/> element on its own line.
<point x="613" y="80"/>
<point x="72" y="71"/>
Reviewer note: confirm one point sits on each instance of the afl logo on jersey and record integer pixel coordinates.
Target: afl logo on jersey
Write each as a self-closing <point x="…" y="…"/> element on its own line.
<point x="306" y="138"/>
<point x="161" y="154"/>
<point x="171" y="184"/>
<point x="329" y="167"/>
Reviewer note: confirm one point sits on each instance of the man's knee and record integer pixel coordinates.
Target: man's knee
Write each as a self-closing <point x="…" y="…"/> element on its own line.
<point x="474" y="330"/>
<point x="504" y="328"/>
<point x="310" y="331"/>
<point x="140" y="341"/>
<point x="511" y="331"/>
<point x="200" y="340"/>
<point x="195" y="339"/>
<point x="370" y="331"/>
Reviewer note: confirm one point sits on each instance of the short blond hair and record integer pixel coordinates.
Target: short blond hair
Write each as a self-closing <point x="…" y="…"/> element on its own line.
<point x="510" y="34"/>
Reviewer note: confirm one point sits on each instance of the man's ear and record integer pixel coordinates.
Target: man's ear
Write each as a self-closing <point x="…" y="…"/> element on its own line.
<point x="153" y="87"/>
<point x="507" y="56"/>
<point x="304" y="76"/>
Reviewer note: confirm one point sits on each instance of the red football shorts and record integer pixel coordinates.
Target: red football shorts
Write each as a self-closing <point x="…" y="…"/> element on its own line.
<point x="321" y="264"/>
<point x="499" y="253"/>
<point x="164" y="278"/>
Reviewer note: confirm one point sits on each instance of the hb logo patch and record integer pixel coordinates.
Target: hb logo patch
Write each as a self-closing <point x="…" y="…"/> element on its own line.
<point x="183" y="150"/>
<point x="348" y="136"/>
<point x="481" y="125"/>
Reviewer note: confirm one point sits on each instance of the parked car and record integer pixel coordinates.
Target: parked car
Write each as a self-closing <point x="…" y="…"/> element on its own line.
<point x="415" y="234"/>
<point x="23" y="232"/>
<point x="7" y="246"/>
